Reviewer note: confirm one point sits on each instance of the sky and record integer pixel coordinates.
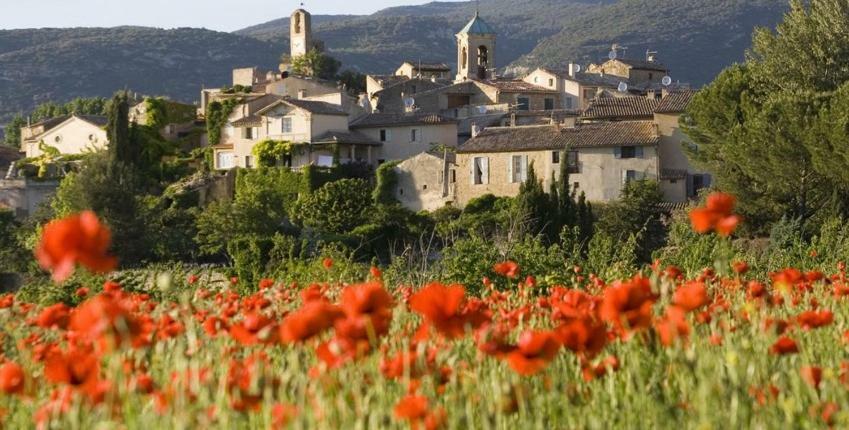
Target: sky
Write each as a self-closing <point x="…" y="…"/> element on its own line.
<point x="213" y="14"/>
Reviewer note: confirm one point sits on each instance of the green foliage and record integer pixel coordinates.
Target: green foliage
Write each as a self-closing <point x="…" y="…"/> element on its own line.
<point x="387" y="179"/>
<point x="533" y="205"/>
<point x="12" y="132"/>
<point x="249" y="254"/>
<point x="777" y="110"/>
<point x="13" y="256"/>
<point x="337" y="207"/>
<point x="269" y="152"/>
<point x="354" y="82"/>
<point x="122" y="148"/>
<point x="635" y="216"/>
<point x="217" y="114"/>
<point x="315" y="64"/>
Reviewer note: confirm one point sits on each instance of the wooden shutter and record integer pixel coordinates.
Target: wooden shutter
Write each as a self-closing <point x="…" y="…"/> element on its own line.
<point x="617" y="152"/>
<point x="638" y="152"/>
<point x="485" y="170"/>
<point x="472" y="171"/>
<point x="524" y="168"/>
<point x="510" y="169"/>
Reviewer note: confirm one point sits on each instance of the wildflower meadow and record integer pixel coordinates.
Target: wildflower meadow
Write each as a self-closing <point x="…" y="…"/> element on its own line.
<point x="656" y="350"/>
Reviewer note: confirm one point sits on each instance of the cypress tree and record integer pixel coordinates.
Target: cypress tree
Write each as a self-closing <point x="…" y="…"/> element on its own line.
<point x="118" y="130"/>
<point x="533" y="204"/>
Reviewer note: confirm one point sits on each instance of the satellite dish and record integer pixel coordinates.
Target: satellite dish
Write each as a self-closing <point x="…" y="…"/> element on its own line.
<point x="612" y="55"/>
<point x="481" y="110"/>
<point x="623" y="87"/>
<point x="409" y="102"/>
<point x="666" y="81"/>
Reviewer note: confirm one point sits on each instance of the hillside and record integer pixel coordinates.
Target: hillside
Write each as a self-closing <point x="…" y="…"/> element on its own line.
<point x="60" y="64"/>
<point x="696" y="38"/>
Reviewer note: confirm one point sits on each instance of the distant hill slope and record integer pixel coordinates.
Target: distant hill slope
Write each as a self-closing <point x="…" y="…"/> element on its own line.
<point x="696" y="38"/>
<point x="60" y="64"/>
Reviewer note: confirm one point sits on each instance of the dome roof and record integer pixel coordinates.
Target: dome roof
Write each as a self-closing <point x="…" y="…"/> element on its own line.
<point x="477" y="26"/>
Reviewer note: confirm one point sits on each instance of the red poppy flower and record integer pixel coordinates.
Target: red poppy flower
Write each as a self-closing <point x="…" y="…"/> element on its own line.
<point x="672" y="326"/>
<point x="281" y="414"/>
<point x="327" y="263"/>
<point x="533" y="352"/>
<point x="716" y="215"/>
<point x="311" y="319"/>
<point x="508" y="269"/>
<point x="740" y="267"/>
<point x="411" y="407"/>
<point x="79" y="369"/>
<point x="367" y="307"/>
<point x="628" y="305"/>
<point x="784" y="345"/>
<point x="442" y="307"/>
<point x="76" y="239"/>
<point x="812" y="375"/>
<point x="585" y="336"/>
<point x="108" y="320"/>
<point x="815" y="319"/>
<point x="57" y="315"/>
<point x="254" y="329"/>
<point x="691" y="296"/>
<point x="12" y="378"/>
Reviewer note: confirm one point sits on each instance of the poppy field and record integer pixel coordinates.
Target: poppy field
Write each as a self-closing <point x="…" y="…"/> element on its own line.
<point x="655" y="350"/>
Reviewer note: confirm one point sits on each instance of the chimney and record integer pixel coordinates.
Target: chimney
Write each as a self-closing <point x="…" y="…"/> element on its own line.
<point x="573" y="69"/>
<point x="475" y="130"/>
<point x="513" y="119"/>
<point x="651" y="56"/>
<point x="302" y="94"/>
<point x="29" y="121"/>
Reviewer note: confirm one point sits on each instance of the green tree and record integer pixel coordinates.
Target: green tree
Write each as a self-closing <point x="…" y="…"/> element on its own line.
<point x="315" y="64"/>
<point x="636" y="213"/>
<point x="337" y="207"/>
<point x="533" y="205"/>
<point x="756" y="126"/>
<point x="121" y="146"/>
<point x="12" y="132"/>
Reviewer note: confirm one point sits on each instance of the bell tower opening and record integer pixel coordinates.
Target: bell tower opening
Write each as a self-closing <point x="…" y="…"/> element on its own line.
<point x="300" y="32"/>
<point x="475" y="50"/>
<point x="483" y="61"/>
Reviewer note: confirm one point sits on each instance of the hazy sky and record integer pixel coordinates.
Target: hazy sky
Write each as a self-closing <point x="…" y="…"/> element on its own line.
<point x="224" y="15"/>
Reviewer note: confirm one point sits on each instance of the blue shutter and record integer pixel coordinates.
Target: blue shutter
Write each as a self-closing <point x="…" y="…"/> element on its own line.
<point x="638" y="152"/>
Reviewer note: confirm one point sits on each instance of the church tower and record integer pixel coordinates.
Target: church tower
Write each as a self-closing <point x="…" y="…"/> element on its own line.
<point x="475" y="50"/>
<point x="300" y="32"/>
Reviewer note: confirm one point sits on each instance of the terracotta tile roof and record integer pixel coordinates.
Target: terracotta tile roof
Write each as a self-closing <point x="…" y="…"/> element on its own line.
<point x="620" y="108"/>
<point x="314" y="107"/>
<point x="516" y="86"/>
<point x="675" y="102"/>
<point x="8" y="155"/>
<point x="548" y="137"/>
<point x="396" y="119"/>
<point x="643" y="65"/>
<point x="100" y="121"/>
<point x="673" y="173"/>
<point x="248" y="121"/>
<point x="344" y="137"/>
<point x="670" y="207"/>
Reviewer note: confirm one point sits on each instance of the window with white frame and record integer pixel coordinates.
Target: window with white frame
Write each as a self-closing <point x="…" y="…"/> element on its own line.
<point x="568" y="102"/>
<point x="286" y="124"/>
<point x="226" y="160"/>
<point x="480" y="170"/>
<point x="385" y="135"/>
<point x="632" y="175"/>
<point x="517" y="169"/>
<point x="523" y="103"/>
<point x="572" y="163"/>
<point x="414" y="135"/>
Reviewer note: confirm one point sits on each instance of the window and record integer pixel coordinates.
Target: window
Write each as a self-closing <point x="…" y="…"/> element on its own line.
<point x="549" y="104"/>
<point x="632" y="175"/>
<point x="287" y="160"/>
<point x="385" y="135"/>
<point x="58" y="139"/>
<point x="325" y="160"/>
<point x="414" y="135"/>
<point x="413" y="89"/>
<point x="517" y="170"/>
<point x="248" y="133"/>
<point x="92" y="138"/>
<point x="226" y="160"/>
<point x="523" y="103"/>
<point x="249" y="161"/>
<point x="480" y="170"/>
<point x="696" y="183"/>
<point x="555" y="157"/>
<point x="569" y="103"/>
<point x="453" y="176"/>
<point x="651" y="76"/>
<point x="628" y="152"/>
<point x="572" y="164"/>
<point x="576" y="185"/>
<point x="287" y="125"/>
<point x="536" y="79"/>
<point x="550" y="82"/>
<point x="424" y="187"/>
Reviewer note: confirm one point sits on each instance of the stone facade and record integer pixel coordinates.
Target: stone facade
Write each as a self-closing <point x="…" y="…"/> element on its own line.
<point x="425" y="182"/>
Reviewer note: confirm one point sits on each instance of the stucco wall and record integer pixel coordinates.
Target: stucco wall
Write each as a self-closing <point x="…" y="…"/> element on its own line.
<point x="600" y="174"/>
<point x="419" y="185"/>
<point x="399" y="146"/>
<point x="75" y="137"/>
<point x="24" y="196"/>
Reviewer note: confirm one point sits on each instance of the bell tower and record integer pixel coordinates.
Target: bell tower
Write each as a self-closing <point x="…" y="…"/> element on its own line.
<point x="475" y="50"/>
<point x="300" y="32"/>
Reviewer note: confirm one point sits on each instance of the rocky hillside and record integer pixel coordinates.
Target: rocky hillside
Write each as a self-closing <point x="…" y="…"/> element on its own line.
<point x="696" y="38"/>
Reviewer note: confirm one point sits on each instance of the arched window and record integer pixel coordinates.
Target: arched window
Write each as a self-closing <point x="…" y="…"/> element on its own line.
<point x="464" y="55"/>
<point x="298" y="23"/>
<point x="483" y="56"/>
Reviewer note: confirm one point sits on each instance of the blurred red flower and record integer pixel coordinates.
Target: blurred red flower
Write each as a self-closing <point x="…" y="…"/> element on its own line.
<point x="12" y="378"/>
<point x="76" y="239"/>
<point x="508" y="269"/>
<point x="716" y="215"/>
<point x="533" y="351"/>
